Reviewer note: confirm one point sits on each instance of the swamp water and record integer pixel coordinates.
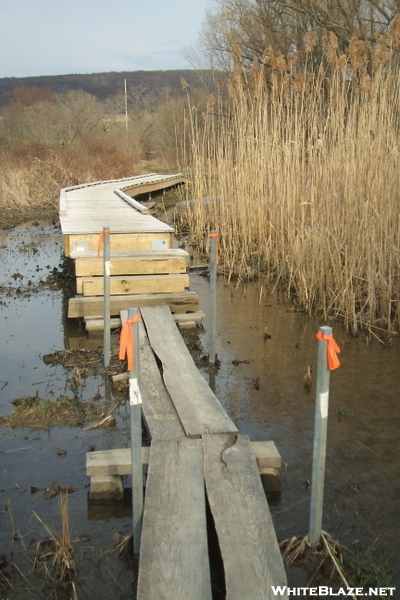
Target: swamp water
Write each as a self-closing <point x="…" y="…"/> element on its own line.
<point x="260" y="384"/>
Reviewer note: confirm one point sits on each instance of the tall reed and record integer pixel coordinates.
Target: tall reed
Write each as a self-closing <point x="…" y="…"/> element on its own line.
<point x="299" y="172"/>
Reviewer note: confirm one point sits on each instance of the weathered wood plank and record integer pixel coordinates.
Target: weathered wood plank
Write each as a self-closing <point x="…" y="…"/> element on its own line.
<point x="113" y="462"/>
<point x="178" y="303"/>
<point x="192" y="316"/>
<point x="174" y="557"/>
<point x="247" y="539"/>
<point x="161" y="419"/>
<point x="117" y="462"/>
<point x="266" y="454"/>
<point x="197" y="407"/>
<point x="126" y="265"/>
<point x="96" y="322"/>
<point x="134" y="284"/>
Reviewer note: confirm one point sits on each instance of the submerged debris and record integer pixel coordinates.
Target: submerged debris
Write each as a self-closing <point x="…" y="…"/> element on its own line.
<point x="55" y="489"/>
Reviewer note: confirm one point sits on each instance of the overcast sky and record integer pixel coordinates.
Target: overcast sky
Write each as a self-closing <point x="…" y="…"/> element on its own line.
<point x="54" y="37"/>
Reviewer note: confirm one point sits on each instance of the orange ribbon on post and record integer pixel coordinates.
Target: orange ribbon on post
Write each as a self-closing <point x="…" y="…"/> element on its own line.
<point x="214" y="236"/>
<point x="126" y="348"/>
<point x="101" y="241"/>
<point x="332" y="350"/>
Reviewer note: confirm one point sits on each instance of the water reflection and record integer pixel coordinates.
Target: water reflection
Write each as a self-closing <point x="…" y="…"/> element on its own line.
<point x="361" y="487"/>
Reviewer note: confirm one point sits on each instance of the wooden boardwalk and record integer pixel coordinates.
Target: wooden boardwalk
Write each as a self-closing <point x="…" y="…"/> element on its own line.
<point x="201" y="472"/>
<point x="202" y="456"/>
<point x="143" y="259"/>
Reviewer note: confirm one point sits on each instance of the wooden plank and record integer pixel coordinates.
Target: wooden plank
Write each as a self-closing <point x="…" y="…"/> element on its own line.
<point x="247" y="539"/>
<point x="118" y="241"/>
<point x="174" y="557"/>
<point x="125" y="262"/>
<point x="196" y="405"/>
<point x="134" y="284"/>
<point x="168" y="253"/>
<point x="118" y="461"/>
<point x="120" y="266"/>
<point x="160" y="417"/>
<point x="96" y="322"/>
<point x="266" y="454"/>
<point x="126" y="266"/>
<point x="187" y="325"/>
<point x="192" y="316"/>
<point x="113" y="462"/>
<point x="85" y="307"/>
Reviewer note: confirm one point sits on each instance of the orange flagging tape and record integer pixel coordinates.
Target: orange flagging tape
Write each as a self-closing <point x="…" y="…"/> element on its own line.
<point x="215" y="236"/>
<point x="126" y="342"/>
<point x="332" y="350"/>
<point x="101" y="241"/>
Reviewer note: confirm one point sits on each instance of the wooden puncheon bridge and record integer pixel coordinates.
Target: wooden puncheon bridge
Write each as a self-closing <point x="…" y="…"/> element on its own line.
<point x="200" y="469"/>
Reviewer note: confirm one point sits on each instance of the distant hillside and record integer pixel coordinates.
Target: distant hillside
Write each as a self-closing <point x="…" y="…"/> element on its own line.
<point x="103" y="85"/>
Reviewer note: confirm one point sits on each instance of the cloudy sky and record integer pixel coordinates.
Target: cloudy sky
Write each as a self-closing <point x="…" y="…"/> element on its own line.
<point x="54" y="37"/>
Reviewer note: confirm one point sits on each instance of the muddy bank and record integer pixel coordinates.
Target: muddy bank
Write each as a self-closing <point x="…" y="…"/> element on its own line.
<point x="16" y="218"/>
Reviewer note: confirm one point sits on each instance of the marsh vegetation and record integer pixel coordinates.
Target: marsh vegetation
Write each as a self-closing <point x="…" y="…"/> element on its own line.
<point x="297" y="167"/>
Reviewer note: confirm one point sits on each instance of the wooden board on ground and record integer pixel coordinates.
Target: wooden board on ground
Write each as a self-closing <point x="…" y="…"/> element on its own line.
<point x="247" y="539"/>
<point x="198" y="409"/>
<point x="174" y="556"/>
<point x="134" y="284"/>
<point x="142" y="263"/>
<point x="178" y="303"/>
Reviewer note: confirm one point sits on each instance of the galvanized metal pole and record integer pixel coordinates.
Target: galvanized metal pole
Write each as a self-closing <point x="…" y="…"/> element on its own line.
<point x="106" y="295"/>
<point x="135" y="402"/>
<point x="320" y="436"/>
<point x="213" y="297"/>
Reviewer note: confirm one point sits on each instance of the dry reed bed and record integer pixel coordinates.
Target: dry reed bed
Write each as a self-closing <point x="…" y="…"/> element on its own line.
<point x="31" y="176"/>
<point x="300" y="172"/>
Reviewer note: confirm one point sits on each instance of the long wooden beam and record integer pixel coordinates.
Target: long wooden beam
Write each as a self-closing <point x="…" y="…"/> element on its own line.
<point x="197" y="407"/>
<point x="246" y="535"/>
<point x="178" y="303"/>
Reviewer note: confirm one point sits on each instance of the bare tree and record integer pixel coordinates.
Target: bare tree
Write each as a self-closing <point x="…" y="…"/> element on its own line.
<point x="255" y="25"/>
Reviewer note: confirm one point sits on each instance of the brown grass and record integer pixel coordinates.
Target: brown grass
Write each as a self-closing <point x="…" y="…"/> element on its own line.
<point x="299" y="172"/>
<point x="31" y="176"/>
<point x="55" y="556"/>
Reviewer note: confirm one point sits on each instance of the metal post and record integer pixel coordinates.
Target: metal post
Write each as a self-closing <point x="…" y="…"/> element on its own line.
<point x="320" y="435"/>
<point x="135" y="402"/>
<point x="106" y="294"/>
<point x="213" y="297"/>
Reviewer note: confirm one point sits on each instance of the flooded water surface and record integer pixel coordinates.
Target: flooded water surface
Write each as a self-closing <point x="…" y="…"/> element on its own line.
<point x="260" y="384"/>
